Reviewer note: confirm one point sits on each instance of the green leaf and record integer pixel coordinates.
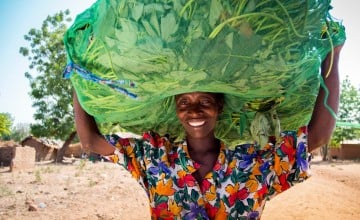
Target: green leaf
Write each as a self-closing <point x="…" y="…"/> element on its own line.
<point x="155" y="23"/>
<point x="148" y="28"/>
<point x="126" y="36"/>
<point x="194" y="195"/>
<point x="168" y="26"/>
<point x="137" y="10"/>
<point x="215" y="11"/>
<point x="160" y="199"/>
<point x="240" y="207"/>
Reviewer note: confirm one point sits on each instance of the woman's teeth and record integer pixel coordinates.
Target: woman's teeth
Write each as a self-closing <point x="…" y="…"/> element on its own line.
<point x="196" y="123"/>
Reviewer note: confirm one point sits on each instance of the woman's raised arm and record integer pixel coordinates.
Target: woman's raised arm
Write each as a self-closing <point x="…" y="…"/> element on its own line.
<point x="322" y="122"/>
<point x="89" y="134"/>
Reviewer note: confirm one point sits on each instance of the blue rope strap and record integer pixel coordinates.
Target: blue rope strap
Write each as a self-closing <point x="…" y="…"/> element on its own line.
<point x="85" y="74"/>
<point x="331" y="111"/>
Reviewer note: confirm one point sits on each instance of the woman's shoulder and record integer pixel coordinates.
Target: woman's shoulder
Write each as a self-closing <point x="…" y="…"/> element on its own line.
<point x="147" y="138"/>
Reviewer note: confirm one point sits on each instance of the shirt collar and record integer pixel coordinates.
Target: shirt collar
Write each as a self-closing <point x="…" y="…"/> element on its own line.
<point x="191" y="166"/>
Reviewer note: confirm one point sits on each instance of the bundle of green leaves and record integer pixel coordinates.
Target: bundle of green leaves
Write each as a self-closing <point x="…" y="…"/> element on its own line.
<point x="264" y="55"/>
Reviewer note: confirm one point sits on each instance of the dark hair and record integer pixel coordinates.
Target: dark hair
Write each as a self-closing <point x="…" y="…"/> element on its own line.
<point x="220" y="99"/>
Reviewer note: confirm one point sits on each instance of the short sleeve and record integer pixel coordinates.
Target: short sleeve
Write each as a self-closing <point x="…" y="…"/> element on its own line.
<point x="289" y="162"/>
<point x="129" y="154"/>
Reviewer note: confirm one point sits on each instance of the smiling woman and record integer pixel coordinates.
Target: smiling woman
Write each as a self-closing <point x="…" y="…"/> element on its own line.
<point x="198" y="113"/>
<point x="195" y="70"/>
<point x="199" y="177"/>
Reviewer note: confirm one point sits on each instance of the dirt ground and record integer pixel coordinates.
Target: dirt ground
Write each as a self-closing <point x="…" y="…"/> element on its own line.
<point x="102" y="190"/>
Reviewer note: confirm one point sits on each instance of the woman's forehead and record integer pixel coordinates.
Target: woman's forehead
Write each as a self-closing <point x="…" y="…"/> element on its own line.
<point x="196" y="94"/>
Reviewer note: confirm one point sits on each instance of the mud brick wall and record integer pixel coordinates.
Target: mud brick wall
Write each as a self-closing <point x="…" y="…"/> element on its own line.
<point x="24" y="159"/>
<point x="6" y="155"/>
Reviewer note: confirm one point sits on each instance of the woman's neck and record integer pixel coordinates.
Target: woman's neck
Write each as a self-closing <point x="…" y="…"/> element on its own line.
<point x="205" y="152"/>
<point x="202" y="146"/>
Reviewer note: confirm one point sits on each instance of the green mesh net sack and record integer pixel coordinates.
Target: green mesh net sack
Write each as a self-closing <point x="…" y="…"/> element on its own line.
<point x="127" y="60"/>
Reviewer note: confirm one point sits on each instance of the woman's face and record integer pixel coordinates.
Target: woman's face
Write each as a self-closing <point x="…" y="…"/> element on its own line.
<point x="198" y="112"/>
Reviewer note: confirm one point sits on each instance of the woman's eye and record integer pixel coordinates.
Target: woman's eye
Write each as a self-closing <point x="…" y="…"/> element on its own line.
<point x="183" y="102"/>
<point x="205" y="102"/>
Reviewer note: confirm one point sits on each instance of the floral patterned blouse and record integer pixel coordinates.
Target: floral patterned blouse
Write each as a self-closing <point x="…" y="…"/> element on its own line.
<point x="241" y="181"/>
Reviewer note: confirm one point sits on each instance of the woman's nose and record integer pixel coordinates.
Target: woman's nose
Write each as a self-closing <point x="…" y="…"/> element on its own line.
<point x="194" y="108"/>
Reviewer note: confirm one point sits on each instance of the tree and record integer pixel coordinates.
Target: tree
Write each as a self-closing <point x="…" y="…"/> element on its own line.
<point x="52" y="95"/>
<point x="5" y="125"/>
<point x="349" y="113"/>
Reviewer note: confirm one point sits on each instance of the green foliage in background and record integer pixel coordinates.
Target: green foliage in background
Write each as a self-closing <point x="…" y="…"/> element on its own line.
<point x="51" y="95"/>
<point x="5" y="125"/>
<point x="349" y="114"/>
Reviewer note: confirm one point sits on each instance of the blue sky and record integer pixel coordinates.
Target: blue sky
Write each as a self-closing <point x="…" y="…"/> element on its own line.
<point x="17" y="17"/>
